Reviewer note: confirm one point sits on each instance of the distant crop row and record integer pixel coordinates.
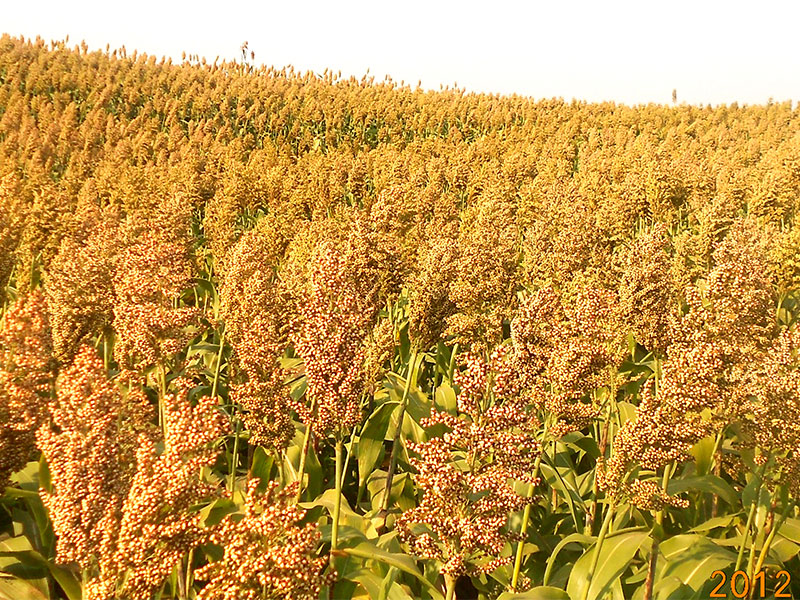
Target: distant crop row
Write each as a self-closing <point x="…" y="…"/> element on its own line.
<point x="277" y="335"/>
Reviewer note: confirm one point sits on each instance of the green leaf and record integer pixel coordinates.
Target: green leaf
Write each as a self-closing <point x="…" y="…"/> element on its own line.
<point x="783" y="549"/>
<point x="704" y="483"/>
<point x="616" y="555"/>
<point x="17" y="589"/>
<point x="367" y="579"/>
<point x="555" y="480"/>
<point x="403" y="562"/>
<point x="20" y="548"/>
<point x="370" y="442"/>
<point x="348" y="517"/>
<point x="386" y="584"/>
<point x="671" y="588"/>
<point x="790" y="530"/>
<point x="703" y="454"/>
<point x="262" y="467"/>
<point x="582" y="443"/>
<point x="574" y="538"/>
<point x="42" y="531"/>
<point x="627" y="412"/>
<point x="693" y="558"/>
<point x="346" y="533"/>
<point x="445" y="399"/>
<point x="538" y="593"/>
<point x="213" y="513"/>
<point x="45" y="480"/>
<point x="716" y="523"/>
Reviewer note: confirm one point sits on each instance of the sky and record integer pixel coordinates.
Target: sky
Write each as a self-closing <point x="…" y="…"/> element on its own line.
<point x="628" y="52"/>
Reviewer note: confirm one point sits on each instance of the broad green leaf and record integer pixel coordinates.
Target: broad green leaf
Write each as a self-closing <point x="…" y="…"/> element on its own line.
<point x="670" y="588"/>
<point x="15" y="544"/>
<point x="262" y="467"/>
<point x="346" y="533"/>
<point x="574" y="538"/>
<point x="370" y="442"/>
<point x="716" y="523"/>
<point x="376" y="485"/>
<point x="215" y="511"/>
<point x="41" y="531"/>
<point x="693" y="558"/>
<point x="20" y="549"/>
<point x="386" y="584"/>
<point x="752" y="491"/>
<point x="17" y="589"/>
<point x="616" y="555"/>
<point x="790" y="530"/>
<point x="703" y="452"/>
<point x="783" y="549"/>
<point x="348" y="517"/>
<point x="445" y="399"/>
<point x="582" y="443"/>
<point x="555" y="480"/>
<point x="562" y="460"/>
<point x="45" y="481"/>
<point x="704" y="483"/>
<point x="627" y="411"/>
<point x="403" y="562"/>
<point x="538" y="593"/>
<point x="368" y="580"/>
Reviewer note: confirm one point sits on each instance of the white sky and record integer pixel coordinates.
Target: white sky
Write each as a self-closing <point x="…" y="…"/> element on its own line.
<point x="712" y="52"/>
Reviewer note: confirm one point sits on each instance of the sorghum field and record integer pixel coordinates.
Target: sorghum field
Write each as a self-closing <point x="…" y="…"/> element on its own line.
<point x="279" y="335"/>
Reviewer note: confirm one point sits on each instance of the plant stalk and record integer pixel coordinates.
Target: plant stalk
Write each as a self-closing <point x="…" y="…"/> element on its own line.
<point x="302" y="467"/>
<point x="598" y="547"/>
<point x="450" y="586"/>
<point x="218" y="368"/>
<point x="396" y="442"/>
<point x="653" y="563"/>
<point x="526" y="515"/>
<point x="162" y="394"/>
<point x="189" y="578"/>
<point x="453" y="363"/>
<point x="750" y="518"/>
<point x="337" y="505"/>
<point x="768" y="542"/>
<point x="235" y="455"/>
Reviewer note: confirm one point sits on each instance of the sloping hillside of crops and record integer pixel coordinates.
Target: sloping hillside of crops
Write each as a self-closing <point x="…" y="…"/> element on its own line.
<point x="278" y="335"/>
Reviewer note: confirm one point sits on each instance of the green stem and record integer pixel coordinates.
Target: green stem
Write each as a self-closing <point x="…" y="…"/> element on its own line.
<point x="349" y="454"/>
<point x="758" y="538"/>
<point x="396" y="442"/>
<point x="302" y="470"/>
<point x="775" y="527"/>
<point x="337" y="511"/>
<point x="162" y="380"/>
<point x="746" y="535"/>
<point x="218" y="368"/>
<point x="235" y="455"/>
<point x="526" y="515"/>
<point x="453" y="363"/>
<point x="189" y="573"/>
<point x="750" y="518"/>
<point x="450" y="585"/>
<point x="598" y="547"/>
<point x="717" y="445"/>
<point x="106" y="359"/>
<point x="591" y="516"/>
<point x="653" y="563"/>
<point x="337" y="504"/>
